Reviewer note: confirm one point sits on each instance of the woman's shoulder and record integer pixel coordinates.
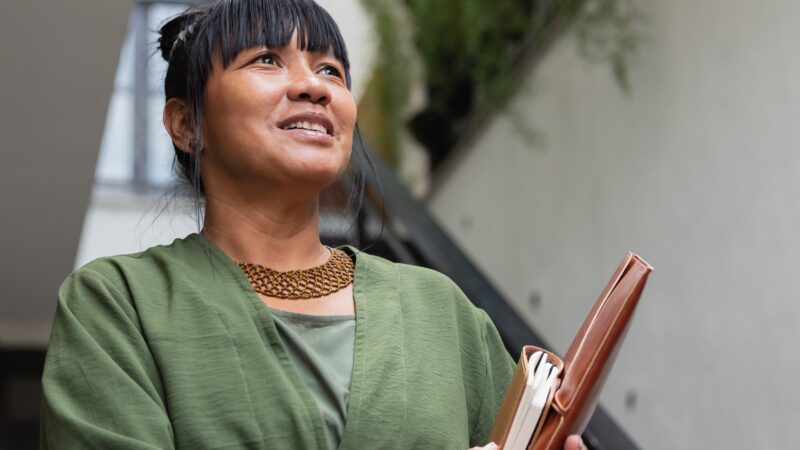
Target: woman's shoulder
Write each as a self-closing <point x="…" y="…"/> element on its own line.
<point x="144" y="266"/>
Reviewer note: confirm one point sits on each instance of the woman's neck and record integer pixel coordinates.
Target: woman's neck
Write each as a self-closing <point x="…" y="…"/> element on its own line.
<point x="273" y="232"/>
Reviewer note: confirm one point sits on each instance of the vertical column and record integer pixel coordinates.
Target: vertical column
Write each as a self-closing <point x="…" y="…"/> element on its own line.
<point x="140" y="96"/>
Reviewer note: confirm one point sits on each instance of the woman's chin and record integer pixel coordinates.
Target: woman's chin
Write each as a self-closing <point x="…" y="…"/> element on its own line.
<point x="315" y="177"/>
<point x="317" y="169"/>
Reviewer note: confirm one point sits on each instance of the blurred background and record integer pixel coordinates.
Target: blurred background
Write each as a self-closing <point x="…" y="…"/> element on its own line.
<point x="522" y="147"/>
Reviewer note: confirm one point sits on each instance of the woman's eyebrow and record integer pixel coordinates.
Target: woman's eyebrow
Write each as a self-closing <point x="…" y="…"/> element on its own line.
<point x="256" y="49"/>
<point x="244" y="55"/>
<point x="328" y="53"/>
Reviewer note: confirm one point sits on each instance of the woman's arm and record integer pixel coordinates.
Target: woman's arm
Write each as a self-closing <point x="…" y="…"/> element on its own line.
<point x="499" y="368"/>
<point x="101" y="388"/>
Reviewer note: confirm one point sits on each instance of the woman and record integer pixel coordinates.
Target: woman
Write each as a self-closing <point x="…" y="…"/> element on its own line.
<point x="181" y="347"/>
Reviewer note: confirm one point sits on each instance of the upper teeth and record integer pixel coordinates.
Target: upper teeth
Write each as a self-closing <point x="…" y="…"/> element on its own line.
<point x="307" y="126"/>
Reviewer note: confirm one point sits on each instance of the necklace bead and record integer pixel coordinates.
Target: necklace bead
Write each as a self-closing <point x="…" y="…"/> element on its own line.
<point x="332" y="276"/>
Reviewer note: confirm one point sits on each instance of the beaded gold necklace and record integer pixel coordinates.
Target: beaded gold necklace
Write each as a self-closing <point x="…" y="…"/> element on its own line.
<point x="335" y="274"/>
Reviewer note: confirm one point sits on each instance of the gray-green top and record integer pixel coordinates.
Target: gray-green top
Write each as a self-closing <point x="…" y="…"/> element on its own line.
<point x="321" y="348"/>
<point x="172" y="348"/>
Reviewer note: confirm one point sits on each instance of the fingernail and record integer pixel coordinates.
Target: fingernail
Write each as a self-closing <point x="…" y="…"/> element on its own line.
<point x="580" y="441"/>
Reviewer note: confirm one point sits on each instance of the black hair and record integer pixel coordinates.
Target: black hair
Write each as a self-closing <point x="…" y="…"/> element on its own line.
<point x="189" y="41"/>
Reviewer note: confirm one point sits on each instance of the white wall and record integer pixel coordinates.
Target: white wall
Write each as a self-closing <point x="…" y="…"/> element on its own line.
<point x="698" y="171"/>
<point x="125" y="223"/>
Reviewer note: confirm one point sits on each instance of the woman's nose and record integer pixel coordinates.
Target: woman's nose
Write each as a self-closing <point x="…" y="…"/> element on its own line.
<point x="306" y="86"/>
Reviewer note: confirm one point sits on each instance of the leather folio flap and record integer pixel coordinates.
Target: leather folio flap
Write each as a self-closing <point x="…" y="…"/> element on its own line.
<point x="586" y="365"/>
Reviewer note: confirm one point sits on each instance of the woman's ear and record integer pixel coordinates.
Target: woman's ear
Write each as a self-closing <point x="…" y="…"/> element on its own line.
<point x="178" y="122"/>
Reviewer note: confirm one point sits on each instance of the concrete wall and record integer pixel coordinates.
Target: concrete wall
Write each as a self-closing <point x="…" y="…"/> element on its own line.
<point x="698" y="171"/>
<point x="58" y="67"/>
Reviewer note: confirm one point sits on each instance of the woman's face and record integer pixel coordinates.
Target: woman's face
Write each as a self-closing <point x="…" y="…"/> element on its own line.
<point x="277" y="118"/>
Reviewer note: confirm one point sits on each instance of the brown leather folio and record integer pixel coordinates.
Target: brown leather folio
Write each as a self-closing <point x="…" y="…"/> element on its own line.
<point x="580" y="376"/>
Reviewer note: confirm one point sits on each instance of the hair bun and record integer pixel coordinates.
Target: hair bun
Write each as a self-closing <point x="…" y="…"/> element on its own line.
<point x="175" y="30"/>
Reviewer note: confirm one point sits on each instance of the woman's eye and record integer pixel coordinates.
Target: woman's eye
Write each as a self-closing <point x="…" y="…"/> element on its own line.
<point x="331" y="71"/>
<point x="266" y="59"/>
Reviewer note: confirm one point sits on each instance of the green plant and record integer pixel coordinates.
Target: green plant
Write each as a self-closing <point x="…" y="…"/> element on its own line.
<point x="468" y="52"/>
<point x="607" y="31"/>
<point x="389" y="87"/>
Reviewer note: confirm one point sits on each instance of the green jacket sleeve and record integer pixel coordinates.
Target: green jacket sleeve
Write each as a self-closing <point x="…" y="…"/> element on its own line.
<point x="101" y="388"/>
<point x="499" y="369"/>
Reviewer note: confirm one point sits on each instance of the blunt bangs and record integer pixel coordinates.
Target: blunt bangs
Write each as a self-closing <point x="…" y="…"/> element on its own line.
<point x="235" y="25"/>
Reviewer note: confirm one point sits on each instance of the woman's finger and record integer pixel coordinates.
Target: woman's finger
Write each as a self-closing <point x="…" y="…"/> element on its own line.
<point x="574" y="442"/>
<point x="489" y="446"/>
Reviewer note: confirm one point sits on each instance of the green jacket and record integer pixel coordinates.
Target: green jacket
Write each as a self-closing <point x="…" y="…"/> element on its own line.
<point x="171" y="348"/>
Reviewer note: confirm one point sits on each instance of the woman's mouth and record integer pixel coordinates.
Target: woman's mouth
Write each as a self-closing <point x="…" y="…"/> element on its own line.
<point x="310" y="127"/>
<point x="306" y="126"/>
<point x="308" y="121"/>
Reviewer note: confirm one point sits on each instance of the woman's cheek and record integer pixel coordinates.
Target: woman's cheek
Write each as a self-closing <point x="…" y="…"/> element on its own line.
<point x="348" y="111"/>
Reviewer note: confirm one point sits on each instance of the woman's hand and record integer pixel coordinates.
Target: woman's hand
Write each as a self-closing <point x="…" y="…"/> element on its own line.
<point x="574" y="442"/>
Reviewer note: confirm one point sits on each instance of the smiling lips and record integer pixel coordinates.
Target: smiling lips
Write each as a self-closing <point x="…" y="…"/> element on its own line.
<point x="309" y="125"/>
